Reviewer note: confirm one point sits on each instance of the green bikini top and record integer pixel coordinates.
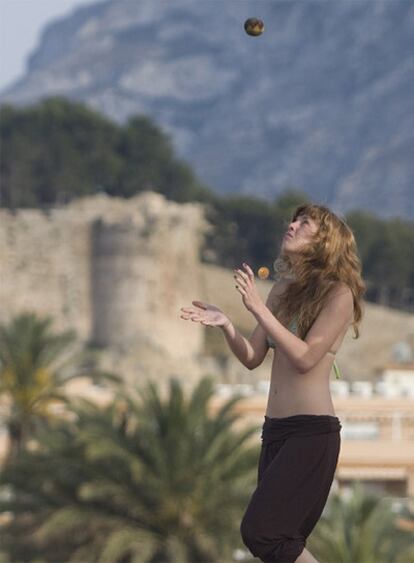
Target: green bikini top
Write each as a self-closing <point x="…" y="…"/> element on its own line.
<point x="293" y="328"/>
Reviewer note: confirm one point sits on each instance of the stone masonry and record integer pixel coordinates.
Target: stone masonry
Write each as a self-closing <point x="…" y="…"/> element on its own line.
<point x="116" y="270"/>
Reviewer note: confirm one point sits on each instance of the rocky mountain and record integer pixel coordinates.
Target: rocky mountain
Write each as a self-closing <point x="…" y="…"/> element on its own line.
<point x="323" y="100"/>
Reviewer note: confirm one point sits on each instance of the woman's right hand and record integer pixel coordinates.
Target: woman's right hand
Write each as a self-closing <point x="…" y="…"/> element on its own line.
<point x="206" y="314"/>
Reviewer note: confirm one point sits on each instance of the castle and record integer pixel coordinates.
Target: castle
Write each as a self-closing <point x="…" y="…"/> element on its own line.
<point x="115" y="270"/>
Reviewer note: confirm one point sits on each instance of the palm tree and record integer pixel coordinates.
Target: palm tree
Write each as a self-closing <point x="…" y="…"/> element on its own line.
<point x="360" y="528"/>
<point x="140" y="480"/>
<point x="35" y="365"/>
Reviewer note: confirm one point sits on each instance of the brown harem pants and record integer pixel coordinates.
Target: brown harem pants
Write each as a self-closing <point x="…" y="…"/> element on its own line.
<point x="297" y="462"/>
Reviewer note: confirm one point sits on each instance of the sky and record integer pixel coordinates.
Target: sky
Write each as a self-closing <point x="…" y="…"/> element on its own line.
<point x="21" y="23"/>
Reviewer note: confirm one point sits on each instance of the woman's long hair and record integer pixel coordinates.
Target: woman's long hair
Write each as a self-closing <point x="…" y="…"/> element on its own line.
<point x="330" y="257"/>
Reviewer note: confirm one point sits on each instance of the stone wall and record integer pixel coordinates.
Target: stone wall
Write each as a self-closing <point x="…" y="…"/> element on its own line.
<point x="45" y="267"/>
<point x="115" y="270"/>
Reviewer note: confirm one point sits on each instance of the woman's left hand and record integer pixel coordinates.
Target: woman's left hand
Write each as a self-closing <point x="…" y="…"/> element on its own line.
<point x="246" y="286"/>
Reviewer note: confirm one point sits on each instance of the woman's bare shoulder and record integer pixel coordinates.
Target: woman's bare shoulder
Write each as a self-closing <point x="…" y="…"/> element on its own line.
<point x="341" y="294"/>
<point x="339" y="288"/>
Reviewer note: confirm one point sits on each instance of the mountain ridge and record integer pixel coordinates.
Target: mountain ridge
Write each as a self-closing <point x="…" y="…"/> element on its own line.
<point x="322" y="101"/>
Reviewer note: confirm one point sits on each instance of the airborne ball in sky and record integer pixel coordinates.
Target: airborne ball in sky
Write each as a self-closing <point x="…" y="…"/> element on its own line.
<point x="254" y="27"/>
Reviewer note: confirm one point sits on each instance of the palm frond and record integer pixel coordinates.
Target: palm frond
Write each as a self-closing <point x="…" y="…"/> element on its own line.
<point x="127" y="541"/>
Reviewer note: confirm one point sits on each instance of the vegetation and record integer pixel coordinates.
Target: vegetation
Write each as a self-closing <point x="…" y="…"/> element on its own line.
<point x="149" y="477"/>
<point x="386" y="249"/>
<point x="59" y="150"/>
<point x="361" y="527"/>
<point x="142" y="479"/>
<point x="35" y="365"/>
<point x="152" y="480"/>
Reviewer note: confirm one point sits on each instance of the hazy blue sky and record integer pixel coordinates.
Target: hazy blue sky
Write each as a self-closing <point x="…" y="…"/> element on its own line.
<point x="21" y="22"/>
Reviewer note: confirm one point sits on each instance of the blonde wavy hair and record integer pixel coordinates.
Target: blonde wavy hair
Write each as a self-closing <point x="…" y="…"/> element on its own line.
<point x="330" y="257"/>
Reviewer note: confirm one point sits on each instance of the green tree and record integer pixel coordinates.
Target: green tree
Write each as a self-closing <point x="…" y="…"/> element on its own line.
<point x="385" y="248"/>
<point x="55" y="151"/>
<point x="150" y="164"/>
<point x="366" y="228"/>
<point x="146" y="479"/>
<point x="244" y="230"/>
<point x="146" y="151"/>
<point x="35" y="365"/>
<point x="58" y="150"/>
<point x="390" y="256"/>
<point x="360" y="529"/>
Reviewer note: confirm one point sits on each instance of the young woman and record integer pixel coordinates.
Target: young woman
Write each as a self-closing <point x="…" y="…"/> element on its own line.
<point x="317" y="296"/>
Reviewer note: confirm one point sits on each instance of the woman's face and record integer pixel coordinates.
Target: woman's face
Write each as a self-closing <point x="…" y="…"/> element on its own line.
<point x="299" y="233"/>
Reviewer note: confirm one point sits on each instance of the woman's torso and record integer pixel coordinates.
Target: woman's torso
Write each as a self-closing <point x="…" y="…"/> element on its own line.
<point x="294" y="393"/>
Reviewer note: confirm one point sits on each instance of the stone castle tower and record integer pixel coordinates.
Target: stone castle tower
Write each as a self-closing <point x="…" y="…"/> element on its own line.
<point x="115" y="270"/>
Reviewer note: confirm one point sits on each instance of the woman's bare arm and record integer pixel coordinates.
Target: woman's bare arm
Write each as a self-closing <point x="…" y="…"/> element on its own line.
<point x="337" y="313"/>
<point x="304" y="354"/>
<point x="238" y="344"/>
<point x="250" y="351"/>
